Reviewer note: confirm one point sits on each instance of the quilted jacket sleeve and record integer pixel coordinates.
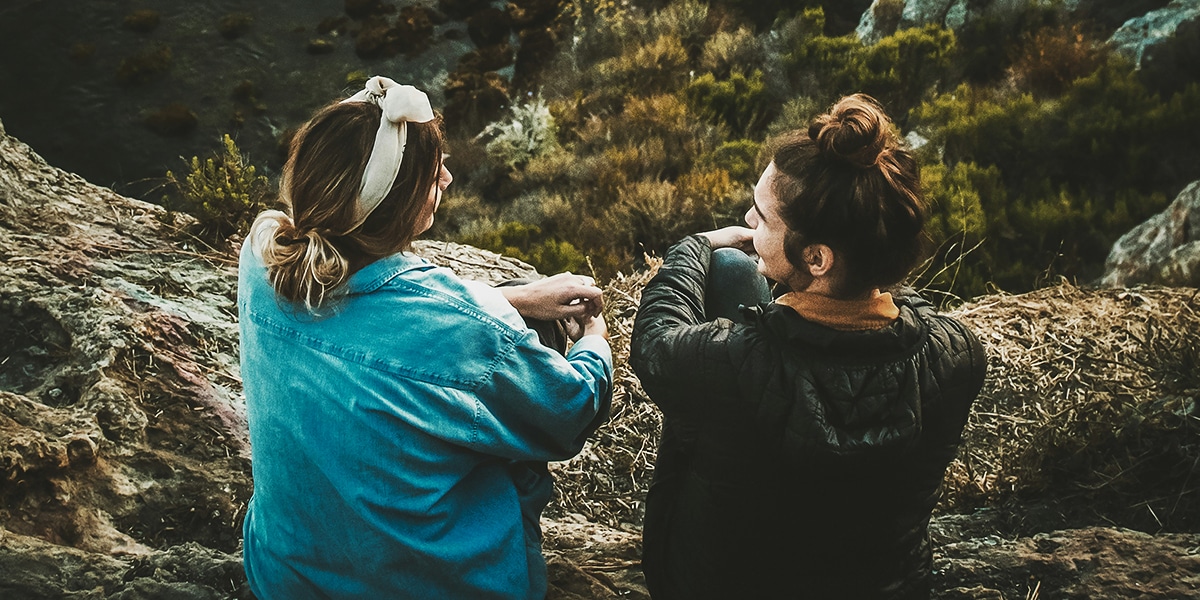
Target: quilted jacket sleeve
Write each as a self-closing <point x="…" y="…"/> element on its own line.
<point x="675" y="353"/>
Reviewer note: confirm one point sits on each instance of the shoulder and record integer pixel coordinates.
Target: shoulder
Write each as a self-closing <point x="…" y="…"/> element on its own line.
<point x="954" y="354"/>
<point x="401" y="316"/>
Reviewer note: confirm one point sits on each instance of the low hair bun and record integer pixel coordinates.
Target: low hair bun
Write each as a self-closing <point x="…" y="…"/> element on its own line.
<point x="303" y="267"/>
<point x="855" y="130"/>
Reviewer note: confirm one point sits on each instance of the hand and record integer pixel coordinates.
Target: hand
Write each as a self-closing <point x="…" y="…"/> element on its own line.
<point x="563" y="296"/>
<point x="733" y="236"/>
<point x="579" y="327"/>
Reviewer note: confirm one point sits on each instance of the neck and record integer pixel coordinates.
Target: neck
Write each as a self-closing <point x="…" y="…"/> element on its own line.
<point x="825" y="286"/>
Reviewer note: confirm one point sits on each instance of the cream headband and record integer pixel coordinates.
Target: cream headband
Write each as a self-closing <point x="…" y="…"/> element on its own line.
<point x="401" y="104"/>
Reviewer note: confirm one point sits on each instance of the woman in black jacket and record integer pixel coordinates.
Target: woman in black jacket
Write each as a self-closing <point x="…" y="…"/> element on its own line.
<point x="805" y="437"/>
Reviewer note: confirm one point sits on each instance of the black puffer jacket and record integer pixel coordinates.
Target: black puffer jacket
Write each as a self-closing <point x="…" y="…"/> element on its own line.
<point x="796" y="461"/>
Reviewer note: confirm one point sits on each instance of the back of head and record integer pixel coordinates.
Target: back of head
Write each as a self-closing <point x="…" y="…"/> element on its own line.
<point x="313" y="248"/>
<point x="848" y="183"/>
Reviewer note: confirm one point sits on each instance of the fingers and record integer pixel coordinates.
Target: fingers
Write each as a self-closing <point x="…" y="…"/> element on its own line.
<point x="578" y="291"/>
<point x="595" y="326"/>
<point x="581" y="308"/>
<point x="733" y="236"/>
<point x="561" y="296"/>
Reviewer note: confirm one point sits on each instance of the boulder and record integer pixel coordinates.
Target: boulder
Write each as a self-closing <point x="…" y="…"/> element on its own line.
<point x="1082" y="564"/>
<point x="881" y="20"/>
<point x="1139" y="34"/>
<point x="1164" y="250"/>
<point x="1138" y="24"/>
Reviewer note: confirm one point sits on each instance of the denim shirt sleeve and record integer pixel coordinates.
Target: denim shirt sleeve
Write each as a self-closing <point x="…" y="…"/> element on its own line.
<point x="538" y="405"/>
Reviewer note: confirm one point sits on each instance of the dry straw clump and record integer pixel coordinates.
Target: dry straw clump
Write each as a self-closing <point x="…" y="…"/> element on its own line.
<point x="1091" y="398"/>
<point x="607" y="482"/>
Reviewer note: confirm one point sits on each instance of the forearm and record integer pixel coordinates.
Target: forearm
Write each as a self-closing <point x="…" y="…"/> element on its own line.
<point x="675" y="296"/>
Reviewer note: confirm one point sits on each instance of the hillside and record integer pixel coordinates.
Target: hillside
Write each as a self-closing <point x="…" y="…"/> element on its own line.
<point x="124" y="463"/>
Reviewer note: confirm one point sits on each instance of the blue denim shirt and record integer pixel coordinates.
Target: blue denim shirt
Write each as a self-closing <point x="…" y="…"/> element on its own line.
<point x="399" y="442"/>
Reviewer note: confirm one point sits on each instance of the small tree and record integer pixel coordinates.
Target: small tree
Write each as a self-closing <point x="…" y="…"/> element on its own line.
<point x="223" y="192"/>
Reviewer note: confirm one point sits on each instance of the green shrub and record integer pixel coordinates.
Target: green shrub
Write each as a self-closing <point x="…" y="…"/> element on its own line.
<point x="900" y="70"/>
<point x="686" y="20"/>
<point x="958" y="226"/>
<point x="796" y="114"/>
<point x="739" y="102"/>
<point x="600" y="29"/>
<point x="526" y="242"/>
<point x="223" y="192"/>
<point x="738" y="158"/>
<point x="971" y="125"/>
<point x="764" y="12"/>
<point x="726" y="51"/>
<point x="556" y="256"/>
<point x="657" y="67"/>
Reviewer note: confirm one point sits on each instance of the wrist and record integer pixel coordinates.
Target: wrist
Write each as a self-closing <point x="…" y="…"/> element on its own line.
<point x="514" y="294"/>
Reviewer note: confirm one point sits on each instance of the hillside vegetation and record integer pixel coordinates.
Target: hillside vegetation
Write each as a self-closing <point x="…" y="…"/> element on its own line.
<point x="1040" y="146"/>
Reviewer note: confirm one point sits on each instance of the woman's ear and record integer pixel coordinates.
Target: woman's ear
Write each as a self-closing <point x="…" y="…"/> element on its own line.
<point x="819" y="260"/>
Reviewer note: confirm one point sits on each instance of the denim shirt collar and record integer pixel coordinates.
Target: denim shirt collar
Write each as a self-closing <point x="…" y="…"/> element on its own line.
<point x="378" y="273"/>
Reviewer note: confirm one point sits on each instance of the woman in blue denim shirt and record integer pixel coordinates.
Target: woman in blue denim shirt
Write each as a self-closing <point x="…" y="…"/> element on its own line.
<point x="400" y="417"/>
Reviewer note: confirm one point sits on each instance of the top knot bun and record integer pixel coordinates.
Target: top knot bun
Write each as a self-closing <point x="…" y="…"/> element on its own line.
<point x="855" y="130"/>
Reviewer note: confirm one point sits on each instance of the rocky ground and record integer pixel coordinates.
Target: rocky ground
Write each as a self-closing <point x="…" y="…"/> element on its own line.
<point x="124" y="463"/>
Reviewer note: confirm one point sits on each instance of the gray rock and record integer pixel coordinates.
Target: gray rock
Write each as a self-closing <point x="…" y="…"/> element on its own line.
<point x="1132" y="38"/>
<point x="1164" y="250"/>
<point x="1139" y="34"/>
<point x="951" y="14"/>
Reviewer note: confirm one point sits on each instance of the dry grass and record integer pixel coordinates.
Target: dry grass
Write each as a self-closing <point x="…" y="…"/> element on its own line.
<point x="1091" y="397"/>
<point x="607" y="482"/>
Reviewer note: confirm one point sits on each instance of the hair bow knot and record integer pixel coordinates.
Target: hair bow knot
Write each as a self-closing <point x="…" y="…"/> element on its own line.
<point x="401" y="104"/>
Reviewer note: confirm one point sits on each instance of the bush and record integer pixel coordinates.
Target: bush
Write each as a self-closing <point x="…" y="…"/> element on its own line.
<point x="657" y="67"/>
<point x="601" y="29"/>
<point x="530" y="132"/>
<point x="686" y="20"/>
<point x="172" y="120"/>
<point x="223" y="192"/>
<point x="1069" y="176"/>
<point x="142" y="21"/>
<point x="796" y="114"/>
<point x="738" y="158"/>
<point x="233" y="25"/>
<point x="739" y="102"/>
<point x="525" y="242"/>
<point x="900" y="70"/>
<point x="958" y="226"/>
<point x="145" y="65"/>
<point x="726" y="51"/>
<point x="1054" y="57"/>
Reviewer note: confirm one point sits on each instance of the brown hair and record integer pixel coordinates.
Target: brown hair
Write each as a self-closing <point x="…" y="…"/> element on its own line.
<point x="312" y="251"/>
<point x="848" y="183"/>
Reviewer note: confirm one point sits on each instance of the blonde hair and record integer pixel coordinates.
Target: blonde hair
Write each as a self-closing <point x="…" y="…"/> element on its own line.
<point x="310" y="250"/>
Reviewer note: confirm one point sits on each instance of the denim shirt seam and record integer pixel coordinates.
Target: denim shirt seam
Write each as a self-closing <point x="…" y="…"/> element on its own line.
<point x="411" y="263"/>
<point x="275" y="328"/>
<point x="509" y="345"/>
